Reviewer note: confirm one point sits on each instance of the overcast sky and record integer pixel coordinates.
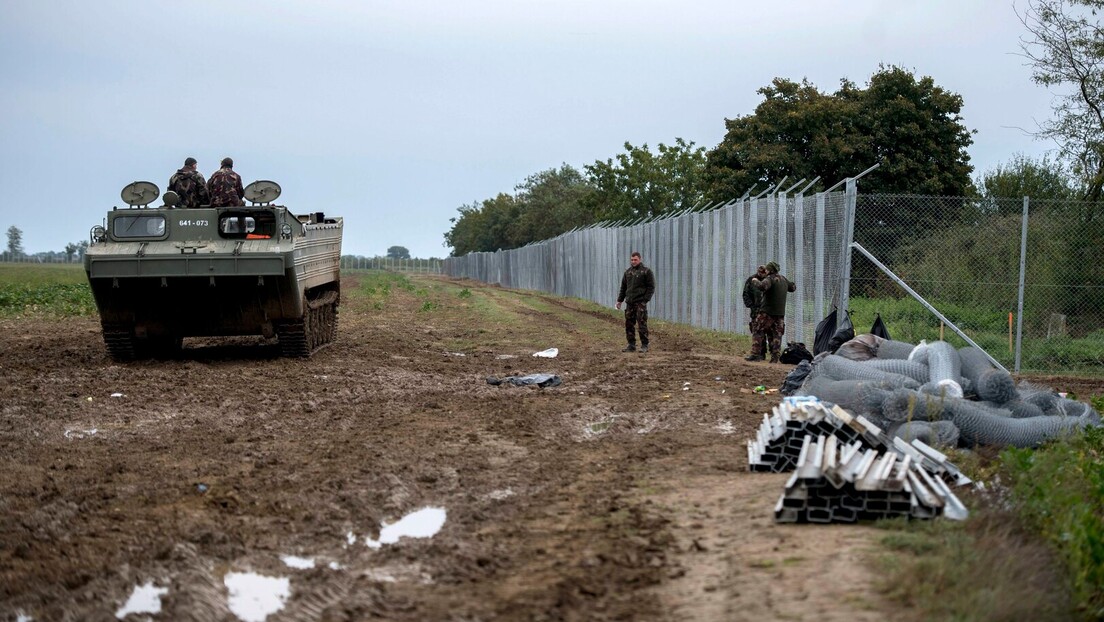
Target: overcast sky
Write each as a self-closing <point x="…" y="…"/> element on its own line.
<point x="394" y="113"/>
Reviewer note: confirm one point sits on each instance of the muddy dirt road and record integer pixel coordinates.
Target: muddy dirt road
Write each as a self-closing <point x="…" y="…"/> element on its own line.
<point x="621" y="494"/>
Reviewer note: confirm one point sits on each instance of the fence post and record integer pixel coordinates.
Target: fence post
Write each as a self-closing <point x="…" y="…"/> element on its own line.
<point x="1020" y="296"/>
<point x="851" y="196"/>
<point x="799" y="267"/>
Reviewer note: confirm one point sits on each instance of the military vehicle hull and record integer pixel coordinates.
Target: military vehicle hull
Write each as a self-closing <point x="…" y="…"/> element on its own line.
<point x="160" y="275"/>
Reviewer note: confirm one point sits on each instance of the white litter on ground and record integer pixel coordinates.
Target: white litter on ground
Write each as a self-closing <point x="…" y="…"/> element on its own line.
<point x="502" y="357"/>
<point x="300" y="563"/>
<point x="335" y="566"/>
<point x="424" y="523"/>
<point x="500" y="494"/>
<point x="117" y="395"/>
<point x="350" y="539"/>
<point x="70" y="434"/>
<point x="550" y="353"/>
<point x="726" y="427"/>
<point x="22" y="617"/>
<point x="144" y="599"/>
<point x="254" y="597"/>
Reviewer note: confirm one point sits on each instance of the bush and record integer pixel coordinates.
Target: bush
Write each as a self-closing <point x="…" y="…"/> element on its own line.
<point x="1060" y="491"/>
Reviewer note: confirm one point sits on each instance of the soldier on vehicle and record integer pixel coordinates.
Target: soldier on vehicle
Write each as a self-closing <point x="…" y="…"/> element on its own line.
<point x="753" y="296"/>
<point x="189" y="185"/>
<point x="225" y="186"/>
<point x="770" y="324"/>
<point x="637" y="287"/>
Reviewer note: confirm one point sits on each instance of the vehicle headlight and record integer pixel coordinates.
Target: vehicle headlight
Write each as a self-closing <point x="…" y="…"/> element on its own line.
<point x="285" y="230"/>
<point x="99" y="234"/>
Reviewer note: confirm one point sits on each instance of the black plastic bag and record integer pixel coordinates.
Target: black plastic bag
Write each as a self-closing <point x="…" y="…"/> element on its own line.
<point x="795" y="378"/>
<point x="824" y="331"/>
<point x="845" y="331"/>
<point x="879" y="328"/>
<point x="794" y="353"/>
<point x="832" y="332"/>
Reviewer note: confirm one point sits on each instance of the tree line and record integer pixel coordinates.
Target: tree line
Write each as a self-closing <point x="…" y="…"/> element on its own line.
<point x="74" y="251"/>
<point x="908" y="124"/>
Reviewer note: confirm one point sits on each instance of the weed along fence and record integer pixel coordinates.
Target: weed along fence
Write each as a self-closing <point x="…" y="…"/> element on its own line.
<point x="1020" y="277"/>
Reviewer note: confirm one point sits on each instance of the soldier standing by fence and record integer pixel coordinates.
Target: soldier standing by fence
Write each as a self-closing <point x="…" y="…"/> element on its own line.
<point x="753" y="296"/>
<point x="637" y="287"/>
<point x="770" y="324"/>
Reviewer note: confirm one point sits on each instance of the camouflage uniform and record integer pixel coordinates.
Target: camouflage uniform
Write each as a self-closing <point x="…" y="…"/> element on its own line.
<point x="770" y="324"/>
<point x="753" y="299"/>
<point x="637" y="287"/>
<point x="190" y="186"/>
<point x="225" y="188"/>
<point x="767" y="331"/>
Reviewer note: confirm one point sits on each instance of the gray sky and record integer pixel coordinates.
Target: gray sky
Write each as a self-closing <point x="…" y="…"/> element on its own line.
<point x="393" y="113"/>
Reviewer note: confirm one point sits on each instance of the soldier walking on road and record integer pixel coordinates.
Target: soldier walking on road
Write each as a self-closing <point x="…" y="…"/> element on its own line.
<point x="189" y="185"/>
<point x="753" y="296"/>
<point x="637" y="287"/>
<point x="770" y="324"/>
<point x="226" y="186"/>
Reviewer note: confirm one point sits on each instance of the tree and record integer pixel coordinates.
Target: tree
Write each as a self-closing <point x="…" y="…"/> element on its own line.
<point x="70" y="250"/>
<point x="641" y="183"/>
<point x="1065" y="48"/>
<point x="552" y="202"/>
<point x="15" y="241"/>
<point x="910" y="126"/>
<point x="398" y="252"/>
<point x="483" y="226"/>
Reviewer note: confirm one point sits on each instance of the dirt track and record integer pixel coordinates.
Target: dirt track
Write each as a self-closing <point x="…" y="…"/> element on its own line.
<point x="622" y="494"/>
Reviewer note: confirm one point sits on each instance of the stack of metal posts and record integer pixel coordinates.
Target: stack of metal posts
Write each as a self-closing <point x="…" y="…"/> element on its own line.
<point x="847" y="469"/>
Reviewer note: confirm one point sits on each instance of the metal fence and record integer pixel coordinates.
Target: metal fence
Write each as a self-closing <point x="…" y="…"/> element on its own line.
<point x="700" y="260"/>
<point x="430" y="266"/>
<point x="1022" y="278"/>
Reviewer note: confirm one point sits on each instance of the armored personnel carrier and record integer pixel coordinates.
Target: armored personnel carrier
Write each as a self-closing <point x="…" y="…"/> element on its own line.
<point x="160" y="274"/>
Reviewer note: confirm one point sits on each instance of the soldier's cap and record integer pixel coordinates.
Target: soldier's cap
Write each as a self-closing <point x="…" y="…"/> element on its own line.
<point x="227" y="163"/>
<point x="772" y="267"/>
<point x="189" y="161"/>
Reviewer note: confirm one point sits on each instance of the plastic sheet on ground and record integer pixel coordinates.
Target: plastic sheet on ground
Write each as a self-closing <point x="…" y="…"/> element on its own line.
<point x="550" y="353"/>
<point x="540" y="380"/>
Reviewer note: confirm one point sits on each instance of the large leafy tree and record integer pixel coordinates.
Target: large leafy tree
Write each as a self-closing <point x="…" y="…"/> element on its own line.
<point x="1023" y="176"/>
<point x="545" y="205"/>
<point x="553" y="201"/>
<point x="398" y="252"/>
<point x="910" y="126"/>
<point x="483" y="226"/>
<point x="1065" y="48"/>
<point x="639" y="182"/>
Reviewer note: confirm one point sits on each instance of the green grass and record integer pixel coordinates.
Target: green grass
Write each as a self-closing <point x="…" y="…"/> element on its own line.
<point x="51" y="289"/>
<point x="908" y="320"/>
<point x="1059" y="489"/>
<point x="1032" y="549"/>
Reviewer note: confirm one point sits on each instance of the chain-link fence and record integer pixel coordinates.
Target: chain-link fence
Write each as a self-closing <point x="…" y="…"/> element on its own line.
<point x="428" y="266"/>
<point x="701" y="260"/>
<point x="975" y="261"/>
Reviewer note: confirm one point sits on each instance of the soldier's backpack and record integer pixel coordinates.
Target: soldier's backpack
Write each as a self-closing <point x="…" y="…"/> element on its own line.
<point x="749" y="295"/>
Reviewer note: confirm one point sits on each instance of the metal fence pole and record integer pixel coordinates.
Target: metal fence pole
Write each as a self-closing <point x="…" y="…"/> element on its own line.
<point x="1020" y="296"/>
<point x="851" y="192"/>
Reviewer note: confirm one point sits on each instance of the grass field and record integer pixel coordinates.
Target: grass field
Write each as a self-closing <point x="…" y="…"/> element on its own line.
<point x="48" y="289"/>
